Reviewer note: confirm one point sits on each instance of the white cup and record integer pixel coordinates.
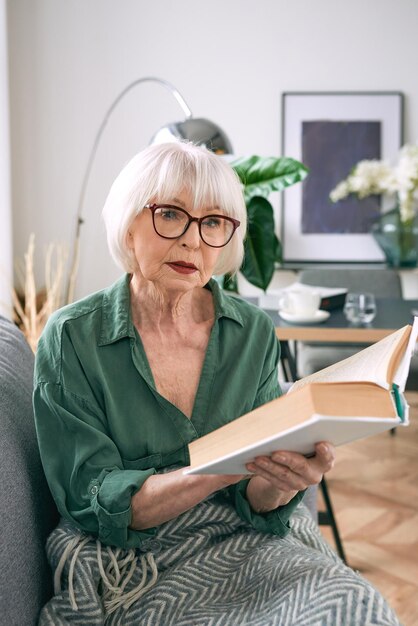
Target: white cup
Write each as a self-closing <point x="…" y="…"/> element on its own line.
<point x="300" y="302"/>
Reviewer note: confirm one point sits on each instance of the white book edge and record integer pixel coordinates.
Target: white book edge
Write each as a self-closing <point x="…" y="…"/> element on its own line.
<point x="337" y="430"/>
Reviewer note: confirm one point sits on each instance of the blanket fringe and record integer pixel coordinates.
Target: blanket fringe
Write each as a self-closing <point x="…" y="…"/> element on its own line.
<point x="76" y="544"/>
<point x="116" y="576"/>
<point x="114" y="596"/>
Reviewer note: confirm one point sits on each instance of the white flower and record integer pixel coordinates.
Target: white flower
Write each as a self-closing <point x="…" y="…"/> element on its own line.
<point x="341" y="191"/>
<point x="370" y="177"/>
<point x="407" y="169"/>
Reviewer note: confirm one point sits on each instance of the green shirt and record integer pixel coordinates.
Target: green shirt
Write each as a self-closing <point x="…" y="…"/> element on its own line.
<point x="102" y="426"/>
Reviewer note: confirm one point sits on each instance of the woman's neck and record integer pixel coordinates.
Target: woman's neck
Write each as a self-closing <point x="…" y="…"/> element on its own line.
<point x="151" y="304"/>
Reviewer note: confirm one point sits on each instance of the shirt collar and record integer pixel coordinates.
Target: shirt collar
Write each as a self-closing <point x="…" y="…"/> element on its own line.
<point x="116" y="310"/>
<point x="225" y="304"/>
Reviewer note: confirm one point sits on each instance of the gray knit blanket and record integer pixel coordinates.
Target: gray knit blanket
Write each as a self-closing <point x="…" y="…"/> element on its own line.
<point x="209" y="568"/>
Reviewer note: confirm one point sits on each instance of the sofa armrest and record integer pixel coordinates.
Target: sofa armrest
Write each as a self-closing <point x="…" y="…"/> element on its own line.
<point x="27" y="511"/>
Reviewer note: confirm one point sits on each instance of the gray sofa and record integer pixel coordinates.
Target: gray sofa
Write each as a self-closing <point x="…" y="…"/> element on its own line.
<point x="27" y="511"/>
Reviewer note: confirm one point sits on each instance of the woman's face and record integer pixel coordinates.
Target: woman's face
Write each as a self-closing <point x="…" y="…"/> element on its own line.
<point x="173" y="264"/>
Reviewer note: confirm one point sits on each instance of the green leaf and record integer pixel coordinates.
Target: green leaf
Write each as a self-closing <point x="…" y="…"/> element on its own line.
<point x="278" y="251"/>
<point x="262" y="248"/>
<point x="230" y="283"/>
<point x="262" y="175"/>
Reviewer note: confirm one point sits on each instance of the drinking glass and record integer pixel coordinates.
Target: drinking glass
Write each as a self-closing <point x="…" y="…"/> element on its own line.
<point x="360" y="308"/>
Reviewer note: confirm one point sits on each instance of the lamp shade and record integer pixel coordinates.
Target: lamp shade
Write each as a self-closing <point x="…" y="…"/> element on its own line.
<point x="199" y="130"/>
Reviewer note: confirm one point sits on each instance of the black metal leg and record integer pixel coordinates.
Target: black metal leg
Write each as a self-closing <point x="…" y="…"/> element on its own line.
<point x="327" y="518"/>
<point x="288" y="362"/>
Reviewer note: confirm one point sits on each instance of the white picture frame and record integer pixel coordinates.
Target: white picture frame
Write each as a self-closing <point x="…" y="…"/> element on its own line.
<point x="380" y="111"/>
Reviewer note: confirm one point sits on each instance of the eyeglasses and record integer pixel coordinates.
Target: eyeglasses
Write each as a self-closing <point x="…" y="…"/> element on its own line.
<point x="171" y="222"/>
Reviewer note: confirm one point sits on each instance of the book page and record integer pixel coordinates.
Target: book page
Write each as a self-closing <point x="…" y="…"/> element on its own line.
<point x="401" y="373"/>
<point x="369" y="365"/>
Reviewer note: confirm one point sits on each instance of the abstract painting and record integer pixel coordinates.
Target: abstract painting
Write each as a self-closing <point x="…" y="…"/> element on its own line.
<point x="330" y="133"/>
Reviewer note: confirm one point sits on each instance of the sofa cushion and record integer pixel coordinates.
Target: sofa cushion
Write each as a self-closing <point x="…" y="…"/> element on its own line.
<point x="27" y="511"/>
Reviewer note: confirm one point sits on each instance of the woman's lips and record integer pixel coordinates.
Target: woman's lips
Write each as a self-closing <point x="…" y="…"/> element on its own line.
<point x="183" y="268"/>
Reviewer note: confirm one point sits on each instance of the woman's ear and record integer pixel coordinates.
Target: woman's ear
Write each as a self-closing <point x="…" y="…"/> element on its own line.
<point x="129" y="239"/>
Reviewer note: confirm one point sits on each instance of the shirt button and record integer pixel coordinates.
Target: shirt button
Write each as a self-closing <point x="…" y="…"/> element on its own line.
<point x="151" y="545"/>
<point x="94" y="490"/>
<point x="155" y="545"/>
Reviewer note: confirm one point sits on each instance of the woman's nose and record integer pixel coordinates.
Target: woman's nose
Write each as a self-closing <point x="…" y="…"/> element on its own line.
<point x="191" y="238"/>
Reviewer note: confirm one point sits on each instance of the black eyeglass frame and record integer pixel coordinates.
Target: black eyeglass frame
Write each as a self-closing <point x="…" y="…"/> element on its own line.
<point x="153" y="207"/>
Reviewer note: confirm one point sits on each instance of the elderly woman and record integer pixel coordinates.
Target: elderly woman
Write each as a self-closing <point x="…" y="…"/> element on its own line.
<point x="126" y="378"/>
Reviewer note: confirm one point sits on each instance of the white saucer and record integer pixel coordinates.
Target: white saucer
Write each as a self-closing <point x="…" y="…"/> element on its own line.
<point x="293" y="318"/>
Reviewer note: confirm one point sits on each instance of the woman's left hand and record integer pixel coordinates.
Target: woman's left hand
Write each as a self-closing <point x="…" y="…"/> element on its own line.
<point x="277" y="478"/>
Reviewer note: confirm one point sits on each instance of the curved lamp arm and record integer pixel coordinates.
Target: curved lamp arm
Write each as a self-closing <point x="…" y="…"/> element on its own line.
<point x="188" y="114"/>
<point x="164" y="83"/>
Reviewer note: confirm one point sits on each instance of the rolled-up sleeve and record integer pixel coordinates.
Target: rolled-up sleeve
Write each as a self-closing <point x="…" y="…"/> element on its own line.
<point x="84" y="468"/>
<point x="275" y="522"/>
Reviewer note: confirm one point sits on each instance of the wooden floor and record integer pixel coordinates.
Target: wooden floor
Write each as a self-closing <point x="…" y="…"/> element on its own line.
<point x="374" y="492"/>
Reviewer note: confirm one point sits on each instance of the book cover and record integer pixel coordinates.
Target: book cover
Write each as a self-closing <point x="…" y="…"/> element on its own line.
<point x="332" y="302"/>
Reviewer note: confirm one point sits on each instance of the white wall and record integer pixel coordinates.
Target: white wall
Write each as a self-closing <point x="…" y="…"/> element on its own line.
<point x="5" y="192"/>
<point x="231" y="60"/>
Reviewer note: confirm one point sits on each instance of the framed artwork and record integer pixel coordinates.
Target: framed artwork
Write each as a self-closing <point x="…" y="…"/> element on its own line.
<point x="331" y="132"/>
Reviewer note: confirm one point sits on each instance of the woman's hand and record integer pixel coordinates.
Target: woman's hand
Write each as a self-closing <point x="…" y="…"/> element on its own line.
<point x="278" y="478"/>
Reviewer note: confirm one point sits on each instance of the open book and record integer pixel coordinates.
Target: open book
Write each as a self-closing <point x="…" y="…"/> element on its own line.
<point x="355" y="398"/>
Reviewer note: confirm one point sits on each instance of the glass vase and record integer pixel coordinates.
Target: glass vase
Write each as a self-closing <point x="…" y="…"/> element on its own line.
<point x="397" y="239"/>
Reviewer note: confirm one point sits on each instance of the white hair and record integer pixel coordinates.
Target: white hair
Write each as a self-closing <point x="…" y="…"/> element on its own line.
<point x="160" y="172"/>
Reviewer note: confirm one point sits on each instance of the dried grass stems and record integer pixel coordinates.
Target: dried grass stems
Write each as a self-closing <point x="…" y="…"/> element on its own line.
<point x="32" y="308"/>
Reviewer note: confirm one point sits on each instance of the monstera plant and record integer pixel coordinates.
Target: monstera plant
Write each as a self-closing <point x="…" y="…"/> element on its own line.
<point x="260" y="176"/>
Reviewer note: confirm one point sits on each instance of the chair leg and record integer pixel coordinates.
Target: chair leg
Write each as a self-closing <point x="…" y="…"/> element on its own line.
<point x="288" y="362"/>
<point x="327" y="518"/>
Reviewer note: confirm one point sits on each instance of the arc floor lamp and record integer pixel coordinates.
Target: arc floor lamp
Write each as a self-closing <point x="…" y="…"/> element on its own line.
<point x="197" y="129"/>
